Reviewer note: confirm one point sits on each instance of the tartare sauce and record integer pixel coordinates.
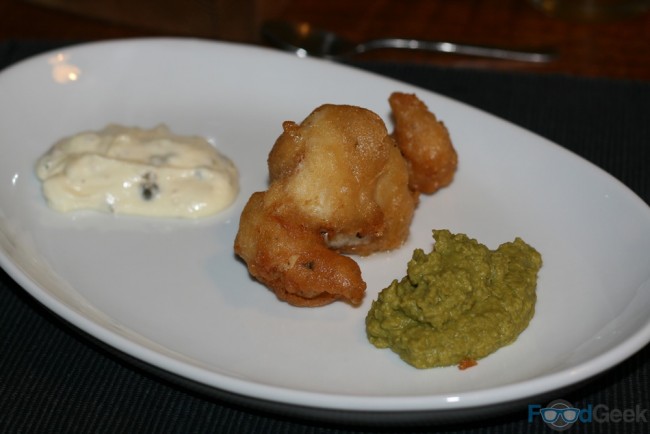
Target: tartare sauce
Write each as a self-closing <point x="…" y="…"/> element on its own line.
<point x="147" y="172"/>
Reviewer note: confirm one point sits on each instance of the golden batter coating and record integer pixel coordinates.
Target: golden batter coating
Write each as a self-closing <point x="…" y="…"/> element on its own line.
<point x="339" y="184"/>
<point x="292" y="259"/>
<point x="341" y="173"/>
<point x="425" y="143"/>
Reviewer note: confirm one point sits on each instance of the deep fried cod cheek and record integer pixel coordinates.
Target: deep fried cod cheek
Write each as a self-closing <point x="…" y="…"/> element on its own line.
<point x="293" y="261"/>
<point x="424" y="142"/>
<point x="345" y="176"/>
<point x="340" y="184"/>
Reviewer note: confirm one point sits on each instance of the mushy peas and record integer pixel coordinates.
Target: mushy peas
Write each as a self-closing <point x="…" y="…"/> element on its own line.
<point x="457" y="304"/>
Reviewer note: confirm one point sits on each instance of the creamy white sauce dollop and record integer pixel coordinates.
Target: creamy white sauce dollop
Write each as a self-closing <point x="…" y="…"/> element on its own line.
<point x="135" y="171"/>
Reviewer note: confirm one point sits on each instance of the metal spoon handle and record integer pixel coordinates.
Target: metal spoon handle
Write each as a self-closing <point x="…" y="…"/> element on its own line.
<point x="538" y="56"/>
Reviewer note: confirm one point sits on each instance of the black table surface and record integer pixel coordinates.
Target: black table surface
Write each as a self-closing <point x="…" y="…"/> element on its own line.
<point x="54" y="378"/>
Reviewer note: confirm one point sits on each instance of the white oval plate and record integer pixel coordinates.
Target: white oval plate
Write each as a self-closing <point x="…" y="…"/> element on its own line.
<point x="172" y="294"/>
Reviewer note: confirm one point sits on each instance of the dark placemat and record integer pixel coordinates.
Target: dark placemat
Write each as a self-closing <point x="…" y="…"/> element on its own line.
<point x="55" y="379"/>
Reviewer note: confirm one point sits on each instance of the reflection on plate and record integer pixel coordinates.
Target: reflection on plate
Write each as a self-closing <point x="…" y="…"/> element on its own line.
<point x="172" y="293"/>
